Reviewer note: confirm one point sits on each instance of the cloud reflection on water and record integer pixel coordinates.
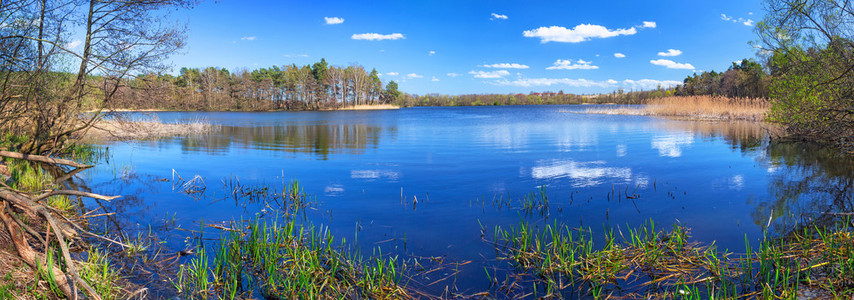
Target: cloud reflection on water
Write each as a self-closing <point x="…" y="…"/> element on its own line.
<point x="374" y="174"/>
<point x="672" y="145"/>
<point x="583" y="174"/>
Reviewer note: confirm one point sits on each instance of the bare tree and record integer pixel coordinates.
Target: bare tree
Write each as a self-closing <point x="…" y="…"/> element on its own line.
<point x="122" y="39"/>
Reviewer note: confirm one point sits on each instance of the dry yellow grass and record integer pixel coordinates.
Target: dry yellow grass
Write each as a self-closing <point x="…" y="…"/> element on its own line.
<point x="147" y="127"/>
<point x="697" y="108"/>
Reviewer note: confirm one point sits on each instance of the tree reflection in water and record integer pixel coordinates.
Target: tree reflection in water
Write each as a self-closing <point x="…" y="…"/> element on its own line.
<point x="319" y="139"/>
<point x="810" y="186"/>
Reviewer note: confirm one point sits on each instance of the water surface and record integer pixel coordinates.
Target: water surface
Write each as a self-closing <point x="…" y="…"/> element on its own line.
<point x="367" y="168"/>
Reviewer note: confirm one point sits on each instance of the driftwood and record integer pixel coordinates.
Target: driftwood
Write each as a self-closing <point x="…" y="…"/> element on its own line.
<point x="73" y="193"/>
<point x="62" y="228"/>
<point x="44" y="159"/>
<point x="30" y="256"/>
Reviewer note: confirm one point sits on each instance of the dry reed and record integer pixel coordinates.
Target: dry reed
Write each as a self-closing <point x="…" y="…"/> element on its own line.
<point x="697" y="108"/>
<point x="146" y="127"/>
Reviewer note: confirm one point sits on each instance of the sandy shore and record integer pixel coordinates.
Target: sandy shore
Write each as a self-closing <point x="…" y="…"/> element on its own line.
<point x="126" y="110"/>
<point x="370" y="107"/>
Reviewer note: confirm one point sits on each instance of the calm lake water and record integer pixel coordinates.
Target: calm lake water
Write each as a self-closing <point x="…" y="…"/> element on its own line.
<point x="366" y="168"/>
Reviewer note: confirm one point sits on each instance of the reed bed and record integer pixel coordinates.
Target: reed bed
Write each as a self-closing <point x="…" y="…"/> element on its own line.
<point x="287" y="261"/>
<point x="648" y="263"/>
<point x="146" y="128"/>
<point x="697" y="107"/>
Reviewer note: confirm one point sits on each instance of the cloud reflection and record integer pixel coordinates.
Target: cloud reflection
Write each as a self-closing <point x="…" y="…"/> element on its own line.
<point x="584" y="174"/>
<point x="621" y="150"/>
<point x="333" y="190"/>
<point x="671" y="145"/>
<point x="374" y="174"/>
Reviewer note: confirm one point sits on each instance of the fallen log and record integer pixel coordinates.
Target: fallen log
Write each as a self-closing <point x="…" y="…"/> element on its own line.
<point x="73" y="193"/>
<point x="44" y="159"/>
<point x="28" y="255"/>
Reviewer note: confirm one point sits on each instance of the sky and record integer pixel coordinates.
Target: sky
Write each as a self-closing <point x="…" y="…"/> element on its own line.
<point x="477" y="47"/>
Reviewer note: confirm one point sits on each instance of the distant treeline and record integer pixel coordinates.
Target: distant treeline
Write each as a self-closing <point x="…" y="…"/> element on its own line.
<point x="289" y="87"/>
<point x="745" y="79"/>
<point x="321" y="86"/>
<point x="490" y="99"/>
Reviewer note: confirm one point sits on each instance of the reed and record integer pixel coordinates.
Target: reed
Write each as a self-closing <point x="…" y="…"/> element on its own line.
<point x="287" y="261"/>
<point x="146" y="127"/>
<point x="697" y="107"/>
<point x="27" y="176"/>
<point x="665" y="264"/>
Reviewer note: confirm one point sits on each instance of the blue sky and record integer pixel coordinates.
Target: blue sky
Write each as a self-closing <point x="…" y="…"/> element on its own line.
<point x="462" y="47"/>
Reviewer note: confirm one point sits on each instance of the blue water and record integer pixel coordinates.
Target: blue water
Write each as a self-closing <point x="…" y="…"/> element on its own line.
<point x="366" y="168"/>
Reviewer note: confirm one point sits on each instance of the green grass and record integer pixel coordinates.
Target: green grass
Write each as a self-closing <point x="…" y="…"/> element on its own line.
<point x="98" y="272"/>
<point x="28" y="176"/>
<point x="287" y="261"/>
<point x="60" y="202"/>
<point x="44" y="272"/>
<point x="646" y="262"/>
<point x="7" y="288"/>
<point x="87" y="153"/>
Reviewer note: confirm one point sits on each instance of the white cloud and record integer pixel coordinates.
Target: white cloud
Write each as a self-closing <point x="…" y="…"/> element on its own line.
<point x="249" y="38"/>
<point x="434" y="79"/>
<point x="745" y="22"/>
<point x="506" y="66"/>
<point x="580" y="33"/>
<point x="586" y="83"/>
<point x="431" y="53"/>
<point x="413" y="76"/>
<point x="333" y="20"/>
<point x="377" y="37"/>
<point x="619" y="55"/>
<point x="392" y="73"/>
<point x="490" y="74"/>
<point x="671" y="64"/>
<point x="529" y="82"/>
<point x="295" y="55"/>
<point x="73" y="44"/>
<point x="452" y="74"/>
<point x="670" y="52"/>
<point x="648" y="84"/>
<point x="498" y="17"/>
<point x="647" y="24"/>
<point x="566" y="64"/>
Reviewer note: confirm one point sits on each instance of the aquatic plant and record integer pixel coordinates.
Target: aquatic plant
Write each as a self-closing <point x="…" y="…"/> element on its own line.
<point x="666" y="264"/>
<point x="287" y="261"/>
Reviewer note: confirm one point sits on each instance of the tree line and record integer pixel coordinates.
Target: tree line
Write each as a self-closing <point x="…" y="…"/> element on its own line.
<point x="290" y="87"/>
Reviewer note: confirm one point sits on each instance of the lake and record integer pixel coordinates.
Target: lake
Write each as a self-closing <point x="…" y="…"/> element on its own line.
<point x="430" y="182"/>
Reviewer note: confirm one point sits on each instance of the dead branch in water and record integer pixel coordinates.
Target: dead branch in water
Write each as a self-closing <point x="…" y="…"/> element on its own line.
<point x="44" y="159"/>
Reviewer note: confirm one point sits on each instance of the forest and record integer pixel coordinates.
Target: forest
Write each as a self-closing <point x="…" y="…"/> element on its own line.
<point x="290" y="87"/>
<point x="324" y="86"/>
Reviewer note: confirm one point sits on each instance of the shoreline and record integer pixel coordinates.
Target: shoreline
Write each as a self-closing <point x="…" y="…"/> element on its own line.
<point x="345" y="108"/>
<point x="366" y="107"/>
